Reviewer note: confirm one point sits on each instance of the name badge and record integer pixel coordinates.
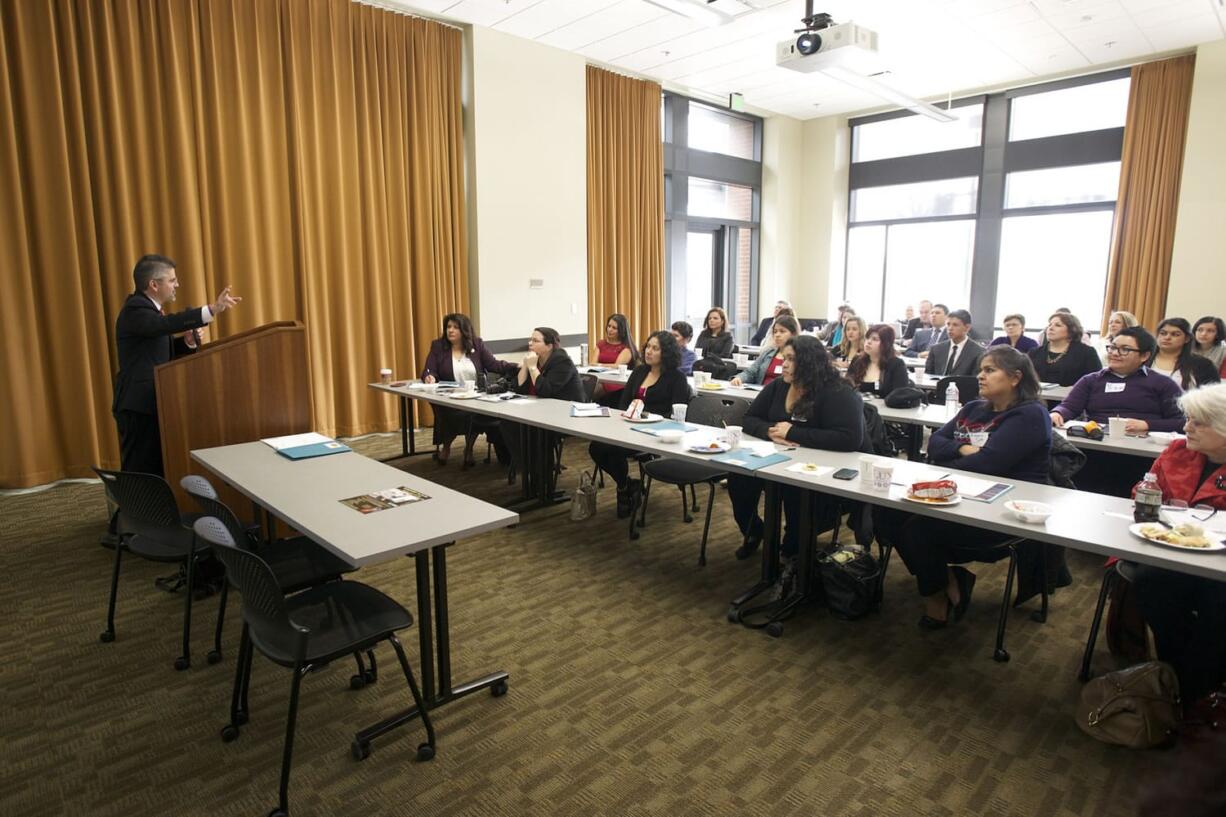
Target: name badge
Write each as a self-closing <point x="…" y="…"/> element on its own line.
<point x="1115" y="388"/>
<point x="979" y="438"/>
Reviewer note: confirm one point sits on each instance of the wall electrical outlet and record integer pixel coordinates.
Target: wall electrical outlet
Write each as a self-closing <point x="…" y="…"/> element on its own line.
<point x="574" y="309"/>
<point x="536" y="283"/>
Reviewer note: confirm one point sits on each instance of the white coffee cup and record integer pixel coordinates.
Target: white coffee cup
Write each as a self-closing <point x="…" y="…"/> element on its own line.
<point x="883" y="475"/>
<point x="679" y="410"/>
<point x="385" y="376"/>
<point x="621" y="369"/>
<point x="740" y="359"/>
<point x="1117" y="427"/>
<point x="734" y="435"/>
<point x="702" y="378"/>
<point x="866" y="468"/>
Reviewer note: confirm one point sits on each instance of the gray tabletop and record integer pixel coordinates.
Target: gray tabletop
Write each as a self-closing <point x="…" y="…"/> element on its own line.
<point x="1081" y="520"/>
<point x="306" y="495"/>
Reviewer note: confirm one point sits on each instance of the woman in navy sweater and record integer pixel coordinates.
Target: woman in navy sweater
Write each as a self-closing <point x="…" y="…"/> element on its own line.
<point x="1005" y="434"/>
<point x="809" y="405"/>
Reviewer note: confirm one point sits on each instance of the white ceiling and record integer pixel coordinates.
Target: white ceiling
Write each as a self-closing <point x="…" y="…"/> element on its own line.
<point x="931" y="48"/>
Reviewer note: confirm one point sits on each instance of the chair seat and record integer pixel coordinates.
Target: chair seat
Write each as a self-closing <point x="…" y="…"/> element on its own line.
<point x="342" y="617"/>
<point x="157" y="543"/>
<point x="681" y="472"/>
<point x="298" y="562"/>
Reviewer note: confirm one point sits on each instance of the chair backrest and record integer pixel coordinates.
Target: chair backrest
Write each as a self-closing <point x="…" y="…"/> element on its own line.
<point x="713" y="410"/>
<point x="590" y="381"/>
<point x="145" y="499"/>
<point x="201" y="490"/>
<point x="968" y="388"/>
<point x="263" y="602"/>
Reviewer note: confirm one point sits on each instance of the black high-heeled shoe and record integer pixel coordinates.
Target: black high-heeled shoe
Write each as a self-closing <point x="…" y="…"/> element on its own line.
<point x="927" y="622"/>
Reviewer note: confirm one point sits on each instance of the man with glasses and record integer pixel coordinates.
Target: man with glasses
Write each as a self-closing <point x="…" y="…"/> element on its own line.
<point x="1125" y="388"/>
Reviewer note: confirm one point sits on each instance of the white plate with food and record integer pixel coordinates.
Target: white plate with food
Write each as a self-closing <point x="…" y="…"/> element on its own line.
<point x="1164" y="438"/>
<point x="713" y="447"/>
<point x="712" y="387"/>
<point x="644" y="418"/>
<point x="1185" y="536"/>
<point x="938" y="501"/>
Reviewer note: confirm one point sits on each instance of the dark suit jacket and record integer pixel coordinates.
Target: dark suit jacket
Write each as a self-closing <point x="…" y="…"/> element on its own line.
<point x="913" y="326"/>
<point x="144" y="339"/>
<point x="764" y="329"/>
<point x="439" y="361"/>
<point x="670" y="389"/>
<point x="967" y="363"/>
<point x="922" y="341"/>
<point x="558" y="380"/>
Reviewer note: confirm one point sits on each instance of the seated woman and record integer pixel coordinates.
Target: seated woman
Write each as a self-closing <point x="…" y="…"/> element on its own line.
<point x="715" y="340"/>
<point x="616" y="348"/>
<point x="878" y="370"/>
<point x="458" y="355"/>
<point x="1210" y="334"/>
<point x="1063" y="358"/>
<point x="809" y="405"/>
<point x="1117" y="322"/>
<point x="1003" y="434"/>
<point x="1187" y="614"/>
<point x="656" y="384"/>
<point x="1015" y="328"/>
<point x="852" y="344"/>
<point x="769" y="365"/>
<point x="546" y="372"/>
<point x="1175" y="359"/>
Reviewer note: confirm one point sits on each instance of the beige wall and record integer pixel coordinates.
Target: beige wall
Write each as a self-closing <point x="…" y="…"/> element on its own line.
<point x="779" y="256"/>
<point x="1198" y="274"/>
<point x="528" y="193"/>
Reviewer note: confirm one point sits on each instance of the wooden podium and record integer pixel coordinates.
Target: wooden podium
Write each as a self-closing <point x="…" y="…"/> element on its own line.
<point x="245" y="387"/>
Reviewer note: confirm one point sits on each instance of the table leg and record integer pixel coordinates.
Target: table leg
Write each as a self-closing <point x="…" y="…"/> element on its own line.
<point x="435" y="642"/>
<point x="408" y="424"/>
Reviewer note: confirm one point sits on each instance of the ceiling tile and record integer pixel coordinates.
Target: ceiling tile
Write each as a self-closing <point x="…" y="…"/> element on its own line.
<point x="652" y="33"/>
<point x="487" y="12"/>
<point x="604" y="23"/>
<point x="550" y="15"/>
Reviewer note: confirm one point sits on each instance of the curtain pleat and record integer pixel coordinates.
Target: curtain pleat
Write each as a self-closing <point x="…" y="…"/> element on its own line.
<point x="625" y="203"/>
<point x="307" y="152"/>
<point x="1147" y="205"/>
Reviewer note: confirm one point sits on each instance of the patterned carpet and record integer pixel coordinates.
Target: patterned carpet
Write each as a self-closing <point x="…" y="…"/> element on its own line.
<point x="630" y="694"/>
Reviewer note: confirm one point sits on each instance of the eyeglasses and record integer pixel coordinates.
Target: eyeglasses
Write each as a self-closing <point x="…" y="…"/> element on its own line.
<point x="1121" y="350"/>
<point x="1200" y="512"/>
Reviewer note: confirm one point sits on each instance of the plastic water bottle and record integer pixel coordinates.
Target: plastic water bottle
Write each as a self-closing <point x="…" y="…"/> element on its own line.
<point x="951" y="400"/>
<point x="582" y="354"/>
<point x="1147" y="501"/>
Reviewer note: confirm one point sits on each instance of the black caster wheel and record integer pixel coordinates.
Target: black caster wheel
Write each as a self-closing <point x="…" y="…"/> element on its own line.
<point x="182" y="663"/>
<point x="214" y="656"/>
<point x="107" y="637"/>
<point x="425" y="752"/>
<point x="1001" y="655"/>
<point x="497" y="689"/>
<point x="360" y="749"/>
<point x="1038" y="617"/>
<point x="357" y="681"/>
<point x="278" y="813"/>
<point x="774" y="629"/>
<point x="370" y="676"/>
<point x="733" y="615"/>
<point x="241" y="718"/>
<point x="229" y="733"/>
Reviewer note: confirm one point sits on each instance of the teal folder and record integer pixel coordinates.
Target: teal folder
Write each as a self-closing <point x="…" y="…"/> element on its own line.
<point x="306" y="452"/>
<point x="747" y="459"/>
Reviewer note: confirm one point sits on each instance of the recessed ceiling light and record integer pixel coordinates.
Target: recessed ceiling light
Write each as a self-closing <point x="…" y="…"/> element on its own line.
<point x="1109" y="43"/>
<point x="1085" y="18"/>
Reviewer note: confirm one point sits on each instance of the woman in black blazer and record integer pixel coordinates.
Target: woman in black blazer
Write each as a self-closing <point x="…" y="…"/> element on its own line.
<point x="656" y="384"/>
<point x="1063" y="358"/>
<point x="548" y="373"/>
<point x="878" y="369"/>
<point x="715" y="340"/>
<point x="811" y="406"/>
<point x="458" y="355"/>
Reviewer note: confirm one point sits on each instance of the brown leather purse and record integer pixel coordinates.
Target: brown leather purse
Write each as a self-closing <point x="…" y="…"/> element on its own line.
<point x="1137" y="707"/>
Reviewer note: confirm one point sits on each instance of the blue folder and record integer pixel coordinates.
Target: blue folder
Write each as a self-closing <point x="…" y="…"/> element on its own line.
<point x="306" y="452"/>
<point x="654" y="429"/>
<point x="745" y="458"/>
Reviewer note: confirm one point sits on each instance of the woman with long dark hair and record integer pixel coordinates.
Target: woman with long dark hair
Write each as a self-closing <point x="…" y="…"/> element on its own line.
<point x="1006" y="433"/>
<point x="715" y="339"/>
<point x="459" y="356"/>
<point x="1064" y="358"/>
<point x="1175" y="359"/>
<point x="1210" y="335"/>
<point x="656" y="385"/>
<point x="809" y="405"/>
<point x="878" y="369"/>
<point x="616" y="348"/>
<point x="769" y="365"/>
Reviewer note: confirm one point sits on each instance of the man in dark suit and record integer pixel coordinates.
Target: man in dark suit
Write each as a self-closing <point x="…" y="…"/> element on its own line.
<point x="146" y="338"/>
<point x="925" y="339"/>
<point x="958" y="356"/>
<point x="764" y="328"/>
<point x="924" y="321"/>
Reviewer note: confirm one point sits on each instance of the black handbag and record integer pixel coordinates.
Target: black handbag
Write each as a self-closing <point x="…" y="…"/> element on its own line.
<point x="904" y="397"/>
<point x="850" y="579"/>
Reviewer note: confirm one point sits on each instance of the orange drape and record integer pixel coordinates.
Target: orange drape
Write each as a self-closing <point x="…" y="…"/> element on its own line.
<point x="1151" y="166"/>
<point x="625" y="203"/>
<point x="307" y="152"/>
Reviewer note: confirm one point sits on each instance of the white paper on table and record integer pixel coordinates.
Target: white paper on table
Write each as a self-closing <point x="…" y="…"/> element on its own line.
<point x="758" y="448"/>
<point x="295" y="440"/>
<point x="1215" y="523"/>
<point x="807" y="469"/>
<point x="906" y="472"/>
<point x="972" y="488"/>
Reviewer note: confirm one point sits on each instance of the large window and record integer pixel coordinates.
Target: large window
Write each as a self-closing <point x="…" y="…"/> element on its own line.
<point x="1007" y="209"/>
<point x="712" y="188"/>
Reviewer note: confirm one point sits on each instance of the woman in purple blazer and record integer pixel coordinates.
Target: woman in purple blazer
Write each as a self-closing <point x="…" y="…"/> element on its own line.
<point x="458" y="356"/>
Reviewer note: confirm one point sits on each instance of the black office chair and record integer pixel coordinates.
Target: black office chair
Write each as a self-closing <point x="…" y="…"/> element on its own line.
<point x="151" y="526"/>
<point x="968" y="388"/>
<point x="307" y="631"/>
<point x="1118" y="570"/>
<point x="707" y="410"/>
<point x="297" y="562"/>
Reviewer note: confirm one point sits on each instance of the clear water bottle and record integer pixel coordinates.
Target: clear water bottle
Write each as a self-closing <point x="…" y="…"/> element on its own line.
<point x="1147" y="499"/>
<point x="583" y="354"/>
<point x="951" y="400"/>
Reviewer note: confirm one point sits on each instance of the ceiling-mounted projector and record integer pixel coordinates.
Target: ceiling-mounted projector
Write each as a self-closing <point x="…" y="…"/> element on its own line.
<point x="846" y="45"/>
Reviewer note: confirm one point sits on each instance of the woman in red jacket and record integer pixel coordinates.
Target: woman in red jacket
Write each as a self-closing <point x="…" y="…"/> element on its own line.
<point x="1186" y="613"/>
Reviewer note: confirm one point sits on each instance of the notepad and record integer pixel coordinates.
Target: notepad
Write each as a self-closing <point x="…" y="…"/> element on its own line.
<point x="588" y="410"/>
<point x="665" y="425"/>
<point x="745" y="458"/>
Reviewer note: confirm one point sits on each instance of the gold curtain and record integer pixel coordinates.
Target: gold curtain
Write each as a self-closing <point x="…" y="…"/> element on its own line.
<point x="625" y="203"/>
<point x="307" y="152"/>
<point x="1148" y="202"/>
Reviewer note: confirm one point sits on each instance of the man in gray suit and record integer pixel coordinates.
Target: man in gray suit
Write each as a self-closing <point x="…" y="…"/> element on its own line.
<point x="925" y="339"/>
<point x="958" y="356"/>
